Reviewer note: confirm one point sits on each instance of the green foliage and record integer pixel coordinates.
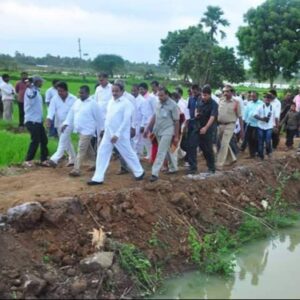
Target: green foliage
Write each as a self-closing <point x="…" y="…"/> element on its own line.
<point x="46" y="259"/>
<point x="214" y="252"/>
<point x="109" y="63"/>
<point x="213" y="19"/>
<point x="139" y="267"/>
<point x="196" y="54"/>
<point x="271" y="39"/>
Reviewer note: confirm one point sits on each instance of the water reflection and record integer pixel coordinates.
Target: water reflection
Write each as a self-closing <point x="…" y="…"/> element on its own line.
<point x="265" y="269"/>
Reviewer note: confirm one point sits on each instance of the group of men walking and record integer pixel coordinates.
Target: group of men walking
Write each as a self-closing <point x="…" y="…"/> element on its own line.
<point x="157" y="126"/>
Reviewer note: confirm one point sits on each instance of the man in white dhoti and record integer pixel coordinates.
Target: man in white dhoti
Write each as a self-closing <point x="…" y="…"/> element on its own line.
<point x="117" y="134"/>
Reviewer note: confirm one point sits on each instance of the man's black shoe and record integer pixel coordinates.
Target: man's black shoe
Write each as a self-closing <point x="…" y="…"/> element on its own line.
<point x="140" y="177"/>
<point x="91" y="182"/>
<point x="191" y="172"/>
<point x="153" y="178"/>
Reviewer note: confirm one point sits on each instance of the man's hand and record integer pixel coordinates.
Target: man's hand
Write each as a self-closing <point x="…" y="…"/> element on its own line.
<point x="242" y="134"/>
<point x="175" y="141"/>
<point x="48" y="123"/>
<point x="114" y="139"/>
<point x="63" y="128"/>
<point x="132" y="132"/>
<point x="203" y="130"/>
<point x="142" y="129"/>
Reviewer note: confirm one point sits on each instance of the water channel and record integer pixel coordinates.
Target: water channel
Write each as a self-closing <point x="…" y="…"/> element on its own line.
<point x="266" y="269"/>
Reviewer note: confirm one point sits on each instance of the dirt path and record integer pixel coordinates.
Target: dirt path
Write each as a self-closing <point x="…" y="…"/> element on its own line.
<point x="40" y="183"/>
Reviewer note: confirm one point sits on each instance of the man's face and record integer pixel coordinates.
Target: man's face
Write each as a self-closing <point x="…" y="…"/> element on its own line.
<point x="154" y="88"/>
<point x="83" y="94"/>
<point x="206" y="97"/>
<point x="195" y="92"/>
<point x="227" y="93"/>
<point x="38" y="83"/>
<point x="162" y="96"/>
<point x="135" y="91"/>
<point x="116" y="92"/>
<point x="143" y="91"/>
<point x="267" y="101"/>
<point x="24" y="76"/>
<point x="253" y="97"/>
<point x="6" y="79"/>
<point x="62" y="93"/>
<point x="103" y="81"/>
<point x="293" y="107"/>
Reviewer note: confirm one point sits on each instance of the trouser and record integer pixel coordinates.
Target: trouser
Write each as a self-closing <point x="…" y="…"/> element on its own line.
<point x="52" y="130"/>
<point x="148" y="145"/>
<point x="104" y="153"/>
<point x="192" y="148"/>
<point x="21" y="113"/>
<point x="225" y="152"/>
<point x="85" y="150"/>
<point x="7" y="110"/>
<point x="275" y="139"/>
<point x="264" y="138"/>
<point x="38" y="137"/>
<point x="1" y="108"/>
<point x="206" y="145"/>
<point x="164" y="143"/>
<point x="138" y="142"/>
<point x="245" y="141"/>
<point x="234" y="144"/>
<point x="64" y="144"/>
<point x="290" y="134"/>
<point x="252" y="139"/>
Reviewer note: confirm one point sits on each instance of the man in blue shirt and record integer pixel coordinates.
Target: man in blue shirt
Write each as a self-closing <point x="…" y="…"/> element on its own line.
<point x="252" y="123"/>
<point x="33" y="108"/>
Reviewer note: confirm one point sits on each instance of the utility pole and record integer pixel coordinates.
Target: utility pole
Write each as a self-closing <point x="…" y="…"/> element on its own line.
<point x="79" y="48"/>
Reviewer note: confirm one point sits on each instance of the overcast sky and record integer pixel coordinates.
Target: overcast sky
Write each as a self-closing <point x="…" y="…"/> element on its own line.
<point x="130" y="28"/>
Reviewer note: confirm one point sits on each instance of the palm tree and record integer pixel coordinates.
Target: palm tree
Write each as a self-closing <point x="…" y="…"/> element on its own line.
<point x="213" y="19"/>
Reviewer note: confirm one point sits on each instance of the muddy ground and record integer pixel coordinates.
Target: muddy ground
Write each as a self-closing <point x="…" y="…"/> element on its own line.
<point x="40" y="252"/>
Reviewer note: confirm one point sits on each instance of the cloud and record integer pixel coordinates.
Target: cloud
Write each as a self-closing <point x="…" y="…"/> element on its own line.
<point x="131" y="28"/>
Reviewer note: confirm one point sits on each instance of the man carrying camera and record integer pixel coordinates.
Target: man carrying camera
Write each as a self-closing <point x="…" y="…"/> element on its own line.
<point x="265" y="116"/>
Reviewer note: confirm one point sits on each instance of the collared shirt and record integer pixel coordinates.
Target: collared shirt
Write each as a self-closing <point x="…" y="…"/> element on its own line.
<point x="297" y="101"/>
<point x="85" y="117"/>
<point x="50" y="93"/>
<point x="149" y="108"/>
<point x="139" y="100"/>
<point x="60" y="108"/>
<point x="229" y="111"/>
<point x="276" y="104"/>
<point x="166" y="115"/>
<point x="192" y="106"/>
<point x="292" y="120"/>
<point x="215" y="98"/>
<point x="183" y="105"/>
<point x="118" y="118"/>
<point x="7" y="91"/>
<point x="131" y="98"/>
<point x="102" y="96"/>
<point x="20" y="90"/>
<point x="33" y="105"/>
<point x="205" y="110"/>
<point x="264" y="111"/>
<point x="250" y="112"/>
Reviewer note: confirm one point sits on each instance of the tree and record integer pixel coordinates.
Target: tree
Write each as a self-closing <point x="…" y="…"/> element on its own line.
<point x="213" y="19"/>
<point x="171" y="47"/>
<point x="271" y="39"/>
<point x="109" y="63"/>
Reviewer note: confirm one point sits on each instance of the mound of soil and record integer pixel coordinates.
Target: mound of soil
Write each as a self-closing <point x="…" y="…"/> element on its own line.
<point x="42" y="248"/>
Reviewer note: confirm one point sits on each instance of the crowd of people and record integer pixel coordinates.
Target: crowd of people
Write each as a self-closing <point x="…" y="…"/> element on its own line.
<point x="157" y="126"/>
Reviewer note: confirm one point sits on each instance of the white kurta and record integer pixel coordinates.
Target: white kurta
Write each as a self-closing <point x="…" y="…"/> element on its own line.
<point x="59" y="109"/>
<point x="102" y="96"/>
<point x="117" y="123"/>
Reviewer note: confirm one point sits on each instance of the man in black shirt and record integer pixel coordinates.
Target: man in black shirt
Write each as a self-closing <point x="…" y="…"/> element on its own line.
<point x="207" y="112"/>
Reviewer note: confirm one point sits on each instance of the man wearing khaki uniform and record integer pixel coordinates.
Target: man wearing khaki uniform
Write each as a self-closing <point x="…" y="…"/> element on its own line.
<point x="165" y="124"/>
<point x="229" y="112"/>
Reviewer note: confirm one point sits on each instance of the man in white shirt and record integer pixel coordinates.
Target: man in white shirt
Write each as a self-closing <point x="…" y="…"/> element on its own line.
<point x="183" y="104"/>
<point x="138" y="139"/>
<point x="86" y="119"/>
<point x="149" y="108"/>
<point x="8" y="96"/>
<point x="155" y="87"/>
<point x="117" y="134"/>
<point x="50" y="93"/>
<point x="59" y="108"/>
<point x="103" y="93"/>
<point x="265" y="116"/>
<point x="276" y="104"/>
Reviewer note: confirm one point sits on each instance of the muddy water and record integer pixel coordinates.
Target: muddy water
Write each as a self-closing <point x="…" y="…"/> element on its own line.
<point x="264" y="269"/>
